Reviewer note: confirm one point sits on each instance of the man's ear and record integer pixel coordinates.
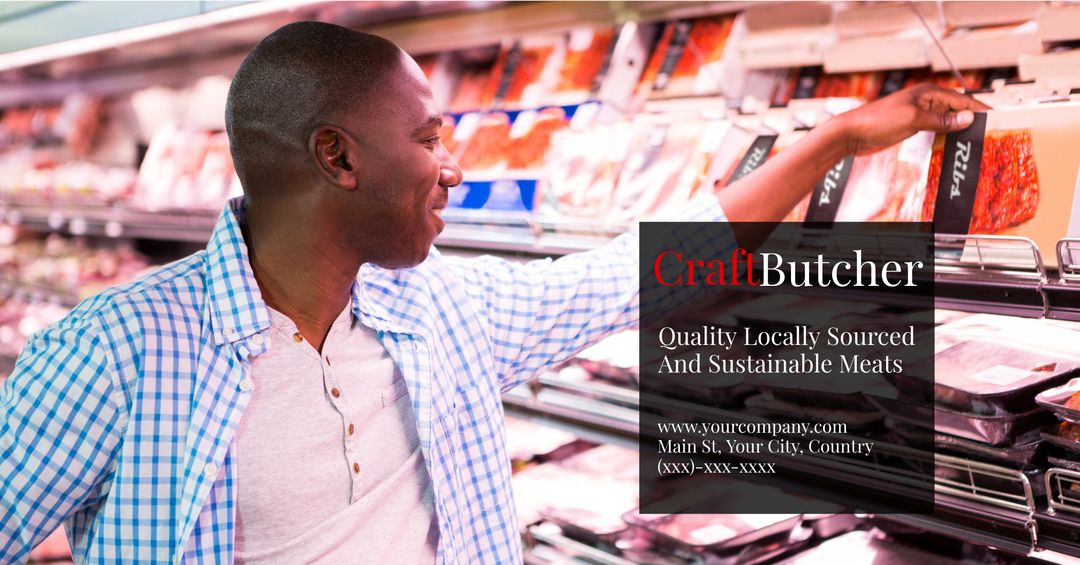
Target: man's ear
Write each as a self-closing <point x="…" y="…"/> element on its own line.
<point x="332" y="150"/>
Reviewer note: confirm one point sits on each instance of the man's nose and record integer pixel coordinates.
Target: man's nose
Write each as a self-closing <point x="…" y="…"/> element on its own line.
<point x="449" y="171"/>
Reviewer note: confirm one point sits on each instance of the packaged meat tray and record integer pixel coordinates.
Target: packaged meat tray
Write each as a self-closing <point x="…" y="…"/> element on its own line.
<point x="614" y="358"/>
<point x="1014" y="173"/>
<point x="989" y="377"/>
<point x="661" y="151"/>
<point x="578" y="181"/>
<point x="866" y="547"/>
<point x="1022" y="454"/>
<point x="588" y="53"/>
<point x="1000" y="430"/>
<point x="1065" y="435"/>
<point x="888" y="186"/>
<point x="586" y="493"/>
<point x="526" y="441"/>
<point x="1065" y="459"/>
<point x="698" y="534"/>
<point x="527" y="71"/>
<point x="1063" y="401"/>
<point x="605" y="488"/>
<point x="687" y="59"/>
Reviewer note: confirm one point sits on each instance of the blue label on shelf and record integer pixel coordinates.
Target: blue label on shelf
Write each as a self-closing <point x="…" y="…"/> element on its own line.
<point x="504" y="195"/>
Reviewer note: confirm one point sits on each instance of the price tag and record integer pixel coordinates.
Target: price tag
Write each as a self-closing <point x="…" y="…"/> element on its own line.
<point x="1000" y="375"/>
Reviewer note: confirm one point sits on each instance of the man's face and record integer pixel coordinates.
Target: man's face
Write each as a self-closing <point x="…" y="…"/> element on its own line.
<point x="404" y="172"/>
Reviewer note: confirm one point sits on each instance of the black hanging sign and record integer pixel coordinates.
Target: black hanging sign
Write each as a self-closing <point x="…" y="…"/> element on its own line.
<point x="959" y="178"/>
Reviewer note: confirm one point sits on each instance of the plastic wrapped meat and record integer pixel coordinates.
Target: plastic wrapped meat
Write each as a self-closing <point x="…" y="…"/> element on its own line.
<point x="1063" y="400"/>
<point x="990" y="377"/>
<point x="1008" y="189"/>
<point x="530" y="137"/>
<point x="884" y="184"/>
<point x="486" y="148"/>
<point x="525" y="440"/>
<point x="697" y="47"/>
<point x="649" y="177"/>
<point x="589" y="491"/>
<point x="472" y="91"/>
<point x="866" y="547"/>
<point x="579" y="180"/>
<point x="533" y="71"/>
<point x="585" y="53"/>
<point x="614" y="358"/>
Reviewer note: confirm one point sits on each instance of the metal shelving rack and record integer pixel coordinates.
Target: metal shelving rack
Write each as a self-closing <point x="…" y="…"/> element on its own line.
<point x="1004" y="275"/>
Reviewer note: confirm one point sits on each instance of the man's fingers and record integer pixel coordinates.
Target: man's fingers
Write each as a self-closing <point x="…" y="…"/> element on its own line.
<point x="943" y="98"/>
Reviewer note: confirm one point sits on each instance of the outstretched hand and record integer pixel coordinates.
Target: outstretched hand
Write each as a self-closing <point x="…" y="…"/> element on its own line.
<point x="900" y="115"/>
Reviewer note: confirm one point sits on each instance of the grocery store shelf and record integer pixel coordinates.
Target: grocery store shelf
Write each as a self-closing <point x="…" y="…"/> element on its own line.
<point x="517" y="240"/>
<point x="115" y="222"/>
<point x="588" y="419"/>
<point x="36" y="293"/>
<point x="983" y="503"/>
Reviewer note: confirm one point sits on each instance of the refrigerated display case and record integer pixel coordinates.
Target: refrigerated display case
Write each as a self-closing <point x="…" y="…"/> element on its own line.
<point x="532" y="92"/>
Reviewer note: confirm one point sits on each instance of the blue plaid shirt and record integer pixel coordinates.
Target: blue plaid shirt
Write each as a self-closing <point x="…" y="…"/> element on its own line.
<point x="119" y="419"/>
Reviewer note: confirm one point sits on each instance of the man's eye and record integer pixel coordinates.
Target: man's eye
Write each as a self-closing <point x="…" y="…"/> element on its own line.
<point x="433" y="140"/>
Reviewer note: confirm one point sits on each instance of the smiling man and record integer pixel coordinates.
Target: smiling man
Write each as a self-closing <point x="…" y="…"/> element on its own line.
<point x="320" y="384"/>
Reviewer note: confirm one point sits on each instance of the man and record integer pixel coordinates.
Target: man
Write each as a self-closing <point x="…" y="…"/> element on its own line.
<point x="320" y="384"/>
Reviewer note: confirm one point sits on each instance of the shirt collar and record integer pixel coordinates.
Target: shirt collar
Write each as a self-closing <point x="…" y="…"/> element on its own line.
<point x="236" y="306"/>
<point x="237" y="309"/>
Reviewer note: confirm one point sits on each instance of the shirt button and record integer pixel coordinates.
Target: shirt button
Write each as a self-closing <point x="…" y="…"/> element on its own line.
<point x="247" y="385"/>
<point x="211" y="470"/>
<point x="356" y="468"/>
<point x="335" y="392"/>
<point x="351" y="429"/>
<point x="297" y="337"/>
<point x="257" y="340"/>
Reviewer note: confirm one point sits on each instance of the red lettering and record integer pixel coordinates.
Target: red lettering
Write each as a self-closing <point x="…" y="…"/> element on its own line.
<point x="656" y="268"/>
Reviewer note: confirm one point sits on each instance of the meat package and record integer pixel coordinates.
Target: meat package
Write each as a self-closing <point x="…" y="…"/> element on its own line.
<point x="186" y="169"/>
<point x="888" y="185"/>
<point x="866" y="547"/>
<point x="1017" y="177"/>
<point x="701" y="534"/>
<point x="990" y="377"/>
<point x="526" y="71"/>
<point x="579" y="175"/>
<point x="687" y="59"/>
<point x="614" y="358"/>
<point x="588" y="52"/>
<point x="649" y="181"/>
<point x="609" y="490"/>
<point x="526" y="440"/>
<point x="1064" y="401"/>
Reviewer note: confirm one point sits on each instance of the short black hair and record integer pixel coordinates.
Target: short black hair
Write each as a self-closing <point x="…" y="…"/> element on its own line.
<point x="298" y="77"/>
